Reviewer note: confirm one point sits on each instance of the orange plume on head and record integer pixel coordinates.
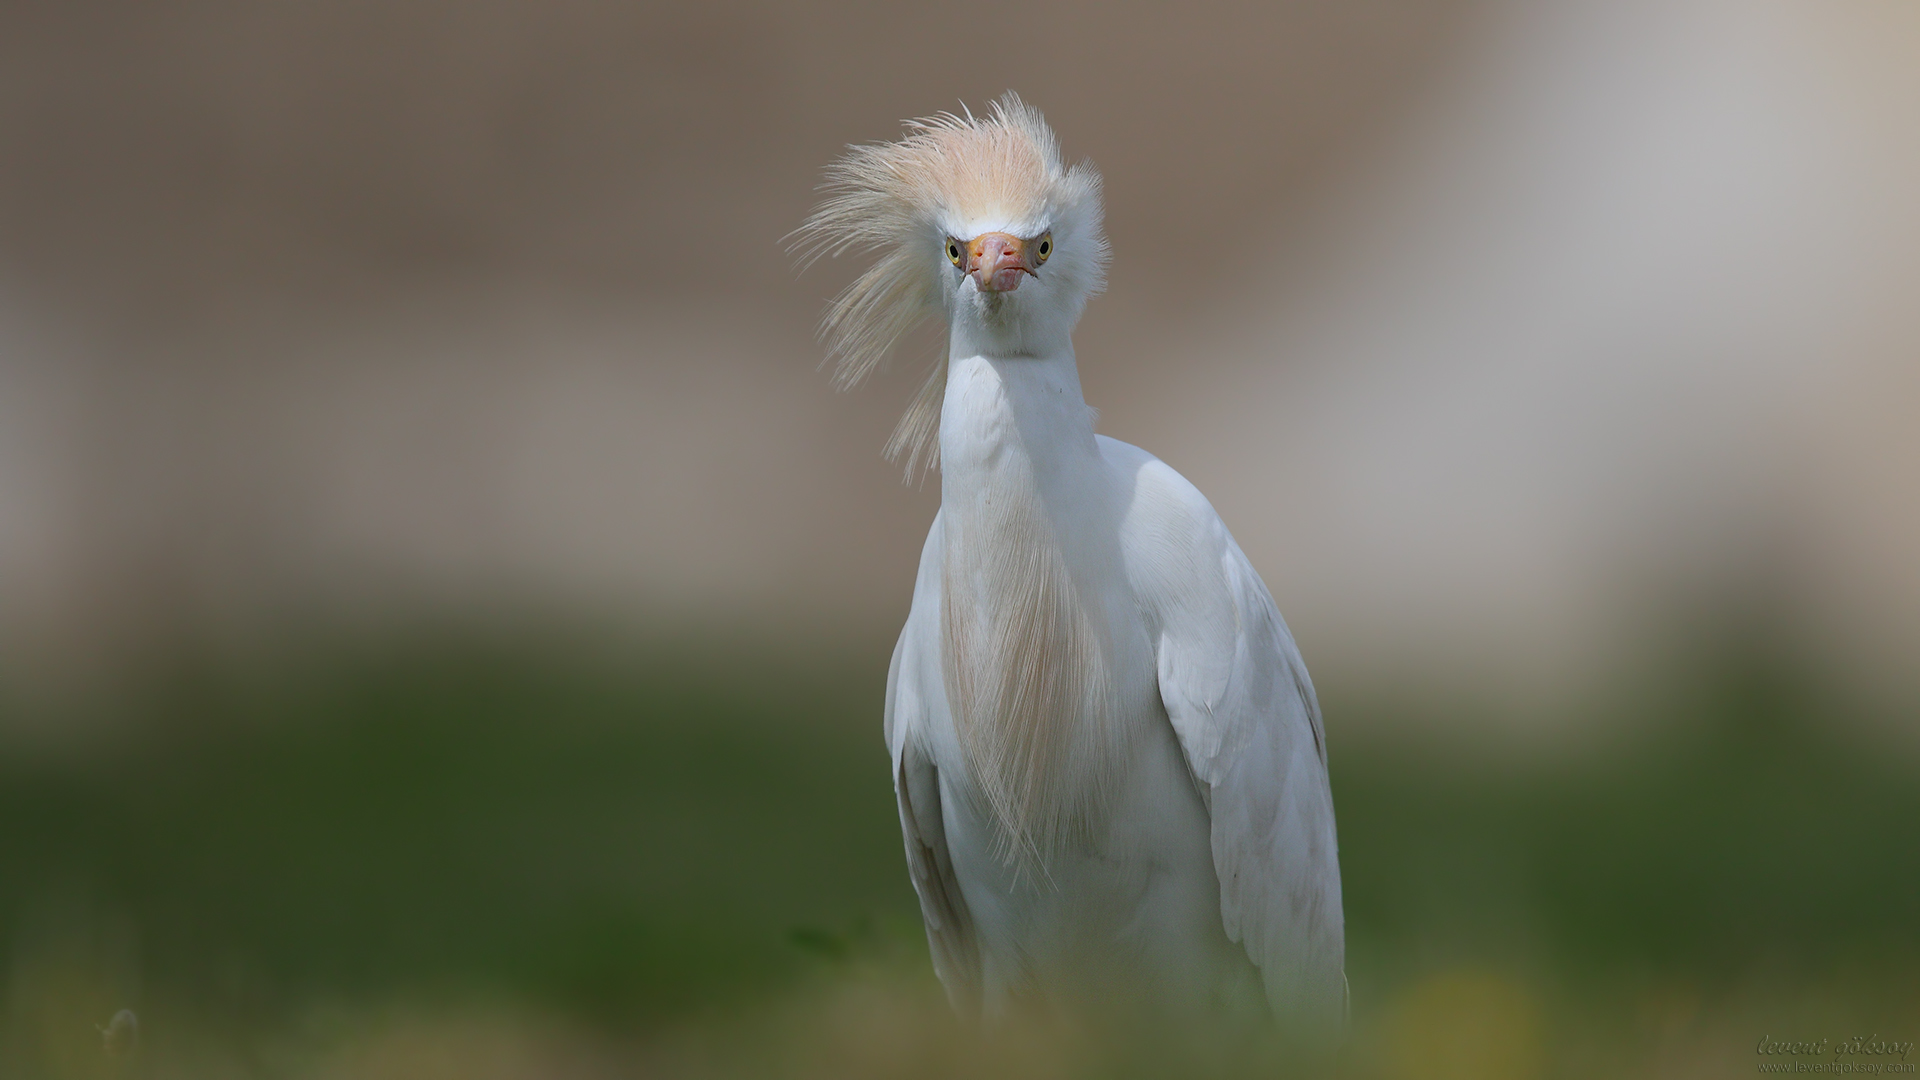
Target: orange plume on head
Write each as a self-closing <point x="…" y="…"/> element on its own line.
<point x="969" y="178"/>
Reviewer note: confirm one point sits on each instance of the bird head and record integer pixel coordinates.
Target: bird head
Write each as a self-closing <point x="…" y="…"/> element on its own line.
<point x="973" y="218"/>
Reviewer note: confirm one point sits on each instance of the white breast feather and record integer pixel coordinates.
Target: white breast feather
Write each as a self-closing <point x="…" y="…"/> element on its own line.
<point x="1028" y="675"/>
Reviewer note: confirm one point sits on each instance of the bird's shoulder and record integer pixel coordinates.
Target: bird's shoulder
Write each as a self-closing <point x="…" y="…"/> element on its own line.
<point x="1224" y="655"/>
<point x="916" y="652"/>
<point x="1180" y="557"/>
<point x="1158" y="489"/>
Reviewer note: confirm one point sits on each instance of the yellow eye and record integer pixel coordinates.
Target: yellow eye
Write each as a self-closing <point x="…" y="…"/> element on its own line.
<point x="953" y="251"/>
<point x="1046" y="247"/>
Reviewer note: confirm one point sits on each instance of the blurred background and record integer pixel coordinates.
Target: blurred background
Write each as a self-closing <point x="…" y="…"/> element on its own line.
<point x="444" y="609"/>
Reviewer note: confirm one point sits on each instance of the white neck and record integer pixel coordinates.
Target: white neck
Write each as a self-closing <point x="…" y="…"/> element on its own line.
<point x="1029" y="574"/>
<point x="1020" y="413"/>
<point x="1013" y="399"/>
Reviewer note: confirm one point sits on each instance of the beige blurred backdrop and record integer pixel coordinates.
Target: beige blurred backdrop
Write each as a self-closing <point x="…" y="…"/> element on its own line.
<point x="1508" y="338"/>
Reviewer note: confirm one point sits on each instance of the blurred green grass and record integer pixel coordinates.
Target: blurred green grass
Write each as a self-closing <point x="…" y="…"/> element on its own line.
<point x="457" y="811"/>
<point x="672" y="843"/>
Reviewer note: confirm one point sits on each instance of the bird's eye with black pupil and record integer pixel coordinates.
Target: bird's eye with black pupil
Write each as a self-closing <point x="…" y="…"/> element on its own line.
<point x="953" y="251"/>
<point x="1046" y="246"/>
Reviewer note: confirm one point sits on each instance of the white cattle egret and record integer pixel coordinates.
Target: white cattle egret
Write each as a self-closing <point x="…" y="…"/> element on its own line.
<point x="1108" y="757"/>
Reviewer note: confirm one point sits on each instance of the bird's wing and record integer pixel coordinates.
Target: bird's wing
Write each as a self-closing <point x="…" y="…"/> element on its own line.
<point x="912" y="693"/>
<point x="1238" y="696"/>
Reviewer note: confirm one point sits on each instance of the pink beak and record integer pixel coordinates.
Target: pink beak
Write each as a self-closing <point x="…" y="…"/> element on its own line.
<point x="995" y="261"/>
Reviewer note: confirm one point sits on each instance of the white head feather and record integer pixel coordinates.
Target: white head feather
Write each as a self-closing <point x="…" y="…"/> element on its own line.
<point x="953" y="176"/>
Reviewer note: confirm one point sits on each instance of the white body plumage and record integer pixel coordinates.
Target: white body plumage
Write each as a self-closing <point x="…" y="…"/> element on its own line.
<point x="1108" y="757"/>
